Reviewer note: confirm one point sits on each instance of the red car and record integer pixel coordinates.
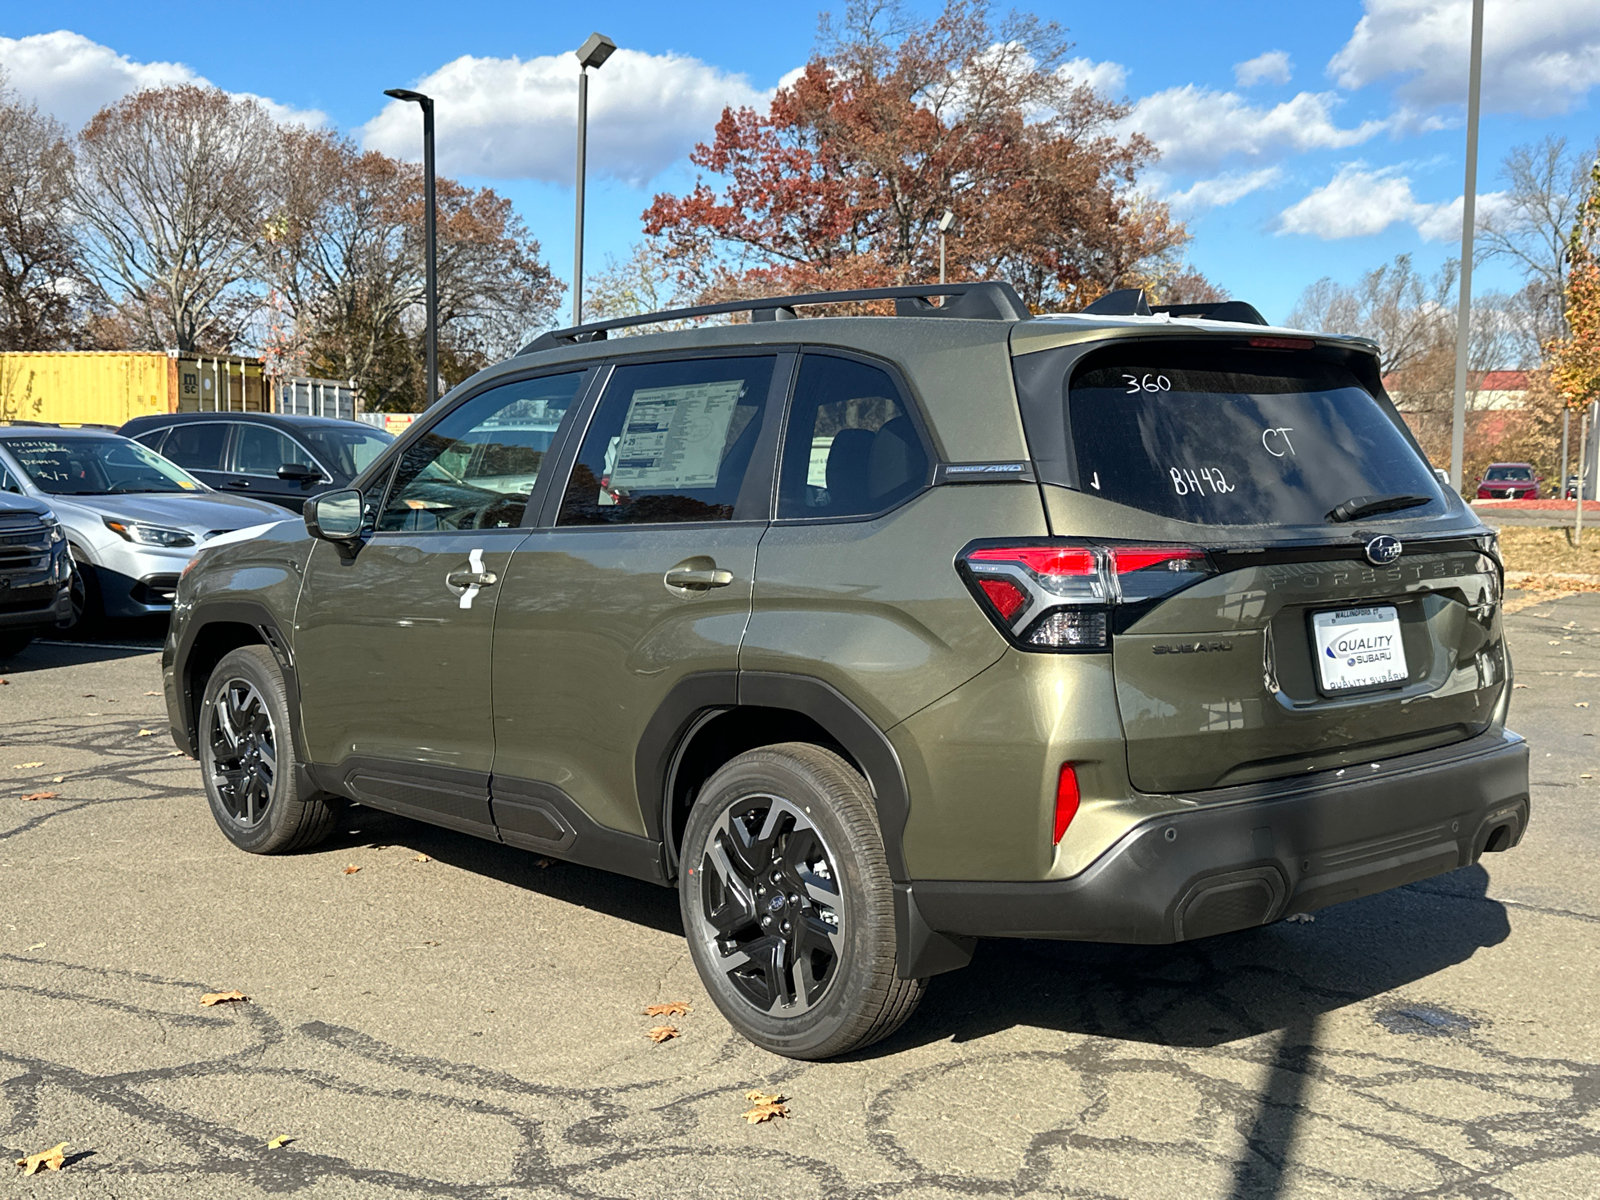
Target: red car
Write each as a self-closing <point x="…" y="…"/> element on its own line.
<point x="1509" y="481"/>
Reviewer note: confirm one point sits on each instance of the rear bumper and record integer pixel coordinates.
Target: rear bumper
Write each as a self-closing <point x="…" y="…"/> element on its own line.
<point x="1275" y="850"/>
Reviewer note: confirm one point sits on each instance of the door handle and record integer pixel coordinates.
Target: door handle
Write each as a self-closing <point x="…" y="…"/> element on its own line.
<point x="238" y="483"/>
<point x="697" y="578"/>
<point x="466" y="579"/>
<point x="464" y="584"/>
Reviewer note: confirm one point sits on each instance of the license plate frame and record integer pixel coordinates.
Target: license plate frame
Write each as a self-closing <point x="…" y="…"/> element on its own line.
<point x="1354" y="633"/>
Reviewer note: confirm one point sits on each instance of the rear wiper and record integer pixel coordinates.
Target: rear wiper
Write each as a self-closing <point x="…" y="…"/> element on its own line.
<point x="1357" y="507"/>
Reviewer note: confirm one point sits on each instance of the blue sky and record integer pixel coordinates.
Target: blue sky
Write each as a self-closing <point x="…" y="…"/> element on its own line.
<point x="1339" y="148"/>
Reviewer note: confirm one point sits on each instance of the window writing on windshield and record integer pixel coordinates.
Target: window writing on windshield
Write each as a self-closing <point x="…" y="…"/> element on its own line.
<point x="1236" y="437"/>
<point x="96" y="466"/>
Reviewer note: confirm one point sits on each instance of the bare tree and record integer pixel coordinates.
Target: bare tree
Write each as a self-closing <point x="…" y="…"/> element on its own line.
<point x="1530" y="230"/>
<point x="174" y="190"/>
<point x="41" y="277"/>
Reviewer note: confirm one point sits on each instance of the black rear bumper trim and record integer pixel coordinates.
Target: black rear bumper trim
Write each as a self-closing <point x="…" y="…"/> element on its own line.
<point x="1218" y="868"/>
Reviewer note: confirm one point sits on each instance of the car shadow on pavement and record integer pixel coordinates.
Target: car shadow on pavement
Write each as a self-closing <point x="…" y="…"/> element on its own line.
<point x="634" y="900"/>
<point x="1215" y="990"/>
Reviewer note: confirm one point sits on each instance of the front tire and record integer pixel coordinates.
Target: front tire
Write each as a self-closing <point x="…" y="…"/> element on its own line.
<point x="248" y="762"/>
<point x="788" y="905"/>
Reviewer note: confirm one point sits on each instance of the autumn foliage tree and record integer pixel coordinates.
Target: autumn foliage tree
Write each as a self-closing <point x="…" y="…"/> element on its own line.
<point x="343" y="254"/>
<point x="1575" y="361"/>
<point x="842" y="182"/>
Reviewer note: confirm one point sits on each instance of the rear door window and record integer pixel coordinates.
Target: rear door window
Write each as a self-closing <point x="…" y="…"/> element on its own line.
<point x="197" y="447"/>
<point x="851" y="449"/>
<point x="671" y="442"/>
<point x="261" y="450"/>
<point x="1236" y="438"/>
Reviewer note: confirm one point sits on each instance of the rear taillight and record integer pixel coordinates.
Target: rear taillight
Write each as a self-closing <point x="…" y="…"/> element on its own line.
<point x="1049" y="595"/>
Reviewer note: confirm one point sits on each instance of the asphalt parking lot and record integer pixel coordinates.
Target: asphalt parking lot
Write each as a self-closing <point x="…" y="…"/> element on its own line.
<point x="472" y="1025"/>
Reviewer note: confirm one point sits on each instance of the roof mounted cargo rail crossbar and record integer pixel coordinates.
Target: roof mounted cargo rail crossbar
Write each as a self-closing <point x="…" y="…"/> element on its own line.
<point x="1132" y="302"/>
<point x="990" y="301"/>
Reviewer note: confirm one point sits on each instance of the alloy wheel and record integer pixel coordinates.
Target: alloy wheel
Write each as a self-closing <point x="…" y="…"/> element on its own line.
<point x="243" y="751"/>
<point x="772" y="911"/>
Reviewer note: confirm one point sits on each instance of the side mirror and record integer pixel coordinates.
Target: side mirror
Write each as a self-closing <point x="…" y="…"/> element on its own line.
<point x="334" y="516"/>
<point x="298" y="473"/>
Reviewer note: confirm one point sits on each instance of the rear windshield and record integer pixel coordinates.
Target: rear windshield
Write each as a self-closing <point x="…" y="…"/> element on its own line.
<point x="1236" y="437"/>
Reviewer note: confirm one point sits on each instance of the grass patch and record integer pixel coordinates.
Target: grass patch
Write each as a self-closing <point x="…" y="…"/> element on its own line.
<point x="1550" y="550"/>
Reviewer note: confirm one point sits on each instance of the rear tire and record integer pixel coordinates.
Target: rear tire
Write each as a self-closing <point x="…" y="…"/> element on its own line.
<point x="788" y="905"/>
<point x="248" y="761"/>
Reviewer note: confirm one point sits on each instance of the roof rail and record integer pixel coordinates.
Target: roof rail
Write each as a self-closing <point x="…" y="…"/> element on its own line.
<point x="1132" y="302"/>
<point x="992" y="301"/>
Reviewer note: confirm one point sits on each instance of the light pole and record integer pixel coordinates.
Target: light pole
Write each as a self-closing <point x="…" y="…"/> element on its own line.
<point x="944" y="224"/>
<point x="1469" y="199"/>
<point x="429" y="234"/>
<point x="591" y="54"/>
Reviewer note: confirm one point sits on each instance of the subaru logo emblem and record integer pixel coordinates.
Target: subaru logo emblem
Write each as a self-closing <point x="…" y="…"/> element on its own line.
<point x="1383" y="550"/>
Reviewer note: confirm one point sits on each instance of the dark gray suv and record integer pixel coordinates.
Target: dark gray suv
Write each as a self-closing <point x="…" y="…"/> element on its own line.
<point x="873" y="636"/>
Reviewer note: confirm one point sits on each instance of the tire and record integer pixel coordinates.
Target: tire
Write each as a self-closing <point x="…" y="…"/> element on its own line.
<point x="15" y="641"/>
<point x="85" y="590"/>
<point x="248" y="762"/>
<point x="805" y="969"/>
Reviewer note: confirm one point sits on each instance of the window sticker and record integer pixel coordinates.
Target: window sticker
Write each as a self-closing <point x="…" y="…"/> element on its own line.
<point x="673" y="437"/>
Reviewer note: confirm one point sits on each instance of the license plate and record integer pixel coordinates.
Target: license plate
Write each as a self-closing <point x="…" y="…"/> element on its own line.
<point x="1358" y="648"/>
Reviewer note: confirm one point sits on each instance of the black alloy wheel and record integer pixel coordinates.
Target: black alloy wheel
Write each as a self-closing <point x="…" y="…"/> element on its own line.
<point x="773" y="912"/>
<point x="242" y="752"/>
<point x="260" y="793"/>
<point x="788" y="906"/>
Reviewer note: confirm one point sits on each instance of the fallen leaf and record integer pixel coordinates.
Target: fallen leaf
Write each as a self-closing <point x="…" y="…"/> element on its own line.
<point x="177" y="754"/>
<point x="152" y="693"/>
<point x="25" y="766"/>
<point x="5" y="683"/>
<point x="51" y="1159"/>
<point x="542" y="863"/>
<point x="1553" y="643"/>
<point x="663" y="1033"/>
<point x="41" y="795"/>
<point x="88" y="695"/>
<point x="211" y="998"/>
<point x="1300" y="918"/>
<point x="59" y="779"/>
<point x="1515" y="686"/>
<point x="1581" y="704"/>
<point x="422" y="858"/>
<point x="676" y="1008"/>
<point x="351" y="869"/>
<point x="146" y="733"/>
<point x="765" y="1106"/>
<point x="37" y="946"/>
<point x="278" y="1143"/>
<point x="1585" y="776"/>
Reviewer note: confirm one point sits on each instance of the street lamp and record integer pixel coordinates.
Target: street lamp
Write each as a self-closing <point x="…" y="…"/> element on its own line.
<point x="429" y="233"/>
<point x="592" y="53"/>
<point x="1469" y="199"/>
<point x="944" y="224"/>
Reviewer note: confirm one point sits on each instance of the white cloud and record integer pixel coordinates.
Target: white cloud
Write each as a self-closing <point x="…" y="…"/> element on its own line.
<point x="1272" y="67"/>
<point x="1359" y="202"/>
<point x="1223" y="189"/>
<point x="72" y="77"/>
<point x="510" y="118"/>
<point x="1197" y="129"/>
<point x="1110" y="79"/>
<point x="1539" y="56"/>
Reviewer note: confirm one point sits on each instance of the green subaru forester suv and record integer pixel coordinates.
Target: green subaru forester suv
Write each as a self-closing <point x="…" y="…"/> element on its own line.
<point x="875" y="635"/>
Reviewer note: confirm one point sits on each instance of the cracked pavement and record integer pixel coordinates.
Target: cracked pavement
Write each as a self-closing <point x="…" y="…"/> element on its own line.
<point x="472" y="1025"/>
